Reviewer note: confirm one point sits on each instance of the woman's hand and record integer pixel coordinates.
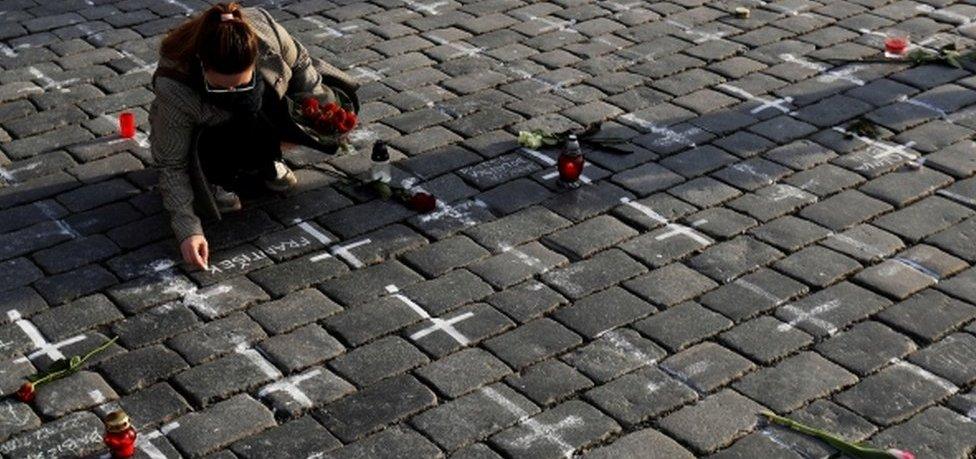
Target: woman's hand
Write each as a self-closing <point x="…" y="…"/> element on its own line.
<point x="196" y="251"/>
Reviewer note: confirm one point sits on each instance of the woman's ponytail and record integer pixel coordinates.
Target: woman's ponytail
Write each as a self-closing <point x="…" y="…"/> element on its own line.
<point x="219" y="37"/>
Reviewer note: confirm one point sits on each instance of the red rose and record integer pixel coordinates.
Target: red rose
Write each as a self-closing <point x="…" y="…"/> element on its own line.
<point x="323" y="124"/>
<point x="26" y="392"/>
<point x="310" y="108"/>
<point x="330" y="107"/>
<point x="422" y="202"/>
<point x="353" y="119"/>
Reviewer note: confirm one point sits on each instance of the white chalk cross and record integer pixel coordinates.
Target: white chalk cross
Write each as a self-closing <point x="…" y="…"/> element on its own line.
<point x="800" y="316"/>
<point x="290" y="387"/>
<point x="41" y="345"/>
<point x="446" y="326"/>
<point x="540" y="431"/>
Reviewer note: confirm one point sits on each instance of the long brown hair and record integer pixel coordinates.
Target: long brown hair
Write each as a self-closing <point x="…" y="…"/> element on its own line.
<point x="226" y="46"/>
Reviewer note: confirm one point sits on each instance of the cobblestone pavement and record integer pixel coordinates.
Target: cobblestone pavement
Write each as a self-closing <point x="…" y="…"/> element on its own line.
<point x="749" y="254"/>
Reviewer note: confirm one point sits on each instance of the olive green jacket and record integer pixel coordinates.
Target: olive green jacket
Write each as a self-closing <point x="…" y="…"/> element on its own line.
<point x="179" y="111"/>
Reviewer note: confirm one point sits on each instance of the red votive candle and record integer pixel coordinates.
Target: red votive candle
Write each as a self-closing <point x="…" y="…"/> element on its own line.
<point x="896" y="43"/>
<point x="127" y="125"/>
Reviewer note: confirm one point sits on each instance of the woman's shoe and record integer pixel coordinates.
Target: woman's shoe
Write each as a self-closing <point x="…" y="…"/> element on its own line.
<point x="284" y="179"/>
<point x="227" y="201"/>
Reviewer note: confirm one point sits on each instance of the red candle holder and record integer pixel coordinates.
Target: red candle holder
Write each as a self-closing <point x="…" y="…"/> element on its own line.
<point x="127" y="125"/>
<point x="570" y="163"/>
<point x="570" y="167"/>
<point x="896" y="44"/>
<point x="120" y="436"/>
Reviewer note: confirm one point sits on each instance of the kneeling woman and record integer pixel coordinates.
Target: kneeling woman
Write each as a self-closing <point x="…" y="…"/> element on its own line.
<point x="219" y="115"/>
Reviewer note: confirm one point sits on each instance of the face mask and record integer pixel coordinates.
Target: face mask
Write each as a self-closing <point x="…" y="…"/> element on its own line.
<point x="243" y="102"/>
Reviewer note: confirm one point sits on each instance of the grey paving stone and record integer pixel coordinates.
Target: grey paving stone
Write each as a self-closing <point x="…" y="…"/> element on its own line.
<point x="682" y="325"/>
<point x="457" y="288"/>
<point x="77" y="316"/>
<point x="825" y="179"/>
<point x="613" y="354"/>
<point x="365" y="284"/>
<point x="936" y="431"/>
<point x="301" y="348"/>
<point x="928" y="315"/>
<point x="475" y="323"/>
<point x="864" y="243"/>
<point x="498" y="170"/>
<point x="532" y="342"/>
<point x="714" y="421"/>
<point x="706" y="366"/>
<point x="593" y="315"/>
<point x="560" y="431"/>
<point x="704" y="192"/>
<point x="476" y="451"/>
<point x="670" y="285"/>
<point x="155" y="325"/>
<point x="142" y="367"/>
<point x="517" y="264"/>
<point x="460" y="422"/>
<point x="548" y="382"/>
<point x="517" y="229"/>
<point x="902" y="187"/>
<point x="80" y="391"/>
<point x="21" y="418"/>
<point x="596" y="273"/>
<point x="961" y="285"/>
<point x="790" y="233"/>
<point x="647" y="179"/>
<point x="698" y="161"/>
<point x="866" y="347"/>
<point x="294" y="310"/>
<point x="442" y="256"/>
<point x="728" y="260"/>
<point x="826" y="312"/>
<point x="795" y="381"/>
<point x="753" y="293"/>
<point x="283" y="278"/>
<point x="895" y="393"/>
<point x="817" y="266"/>
<point x="659" y="248"/>
<point x="923" y="218"/>
<point x="464" y="371"/>
<point x="761" y="340"/>
<point x="216" y="338"/>
<point x="378" y="360"/>
<point x="895" y="278"/>
<point x="957" y="239"/>
<point x="221" y="378"/>
<point x="640" y="395"/>
<point x="240" y="417"/>
<point x="398" y="441"/>
<point x="590" y="236"/>
<point x="77" y="434"/>
<point x="153" y="405"/>
<point x="942" y="358"/>
<point x="384" y="403"/>
<point x="291" y="396"/>
<point x="293" y="439"/>
<point x="379" y="317"/>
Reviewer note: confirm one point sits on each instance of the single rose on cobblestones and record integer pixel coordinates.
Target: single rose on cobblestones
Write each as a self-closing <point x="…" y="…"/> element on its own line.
<point x="59" y="369"/>
<point x="422" y="202"/>
<point x="855" y="450"/>
<point x="26" y="392"/>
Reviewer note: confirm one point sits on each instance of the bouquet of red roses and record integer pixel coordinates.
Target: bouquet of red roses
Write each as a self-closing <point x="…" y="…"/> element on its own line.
<point x="327" y="122"/>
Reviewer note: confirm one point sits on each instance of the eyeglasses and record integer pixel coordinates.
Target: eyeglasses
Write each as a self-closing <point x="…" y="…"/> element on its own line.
<point x="240" y="88"/>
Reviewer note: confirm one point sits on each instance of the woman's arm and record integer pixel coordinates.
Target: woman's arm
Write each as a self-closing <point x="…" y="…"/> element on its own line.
<point x="171" y="136"/>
